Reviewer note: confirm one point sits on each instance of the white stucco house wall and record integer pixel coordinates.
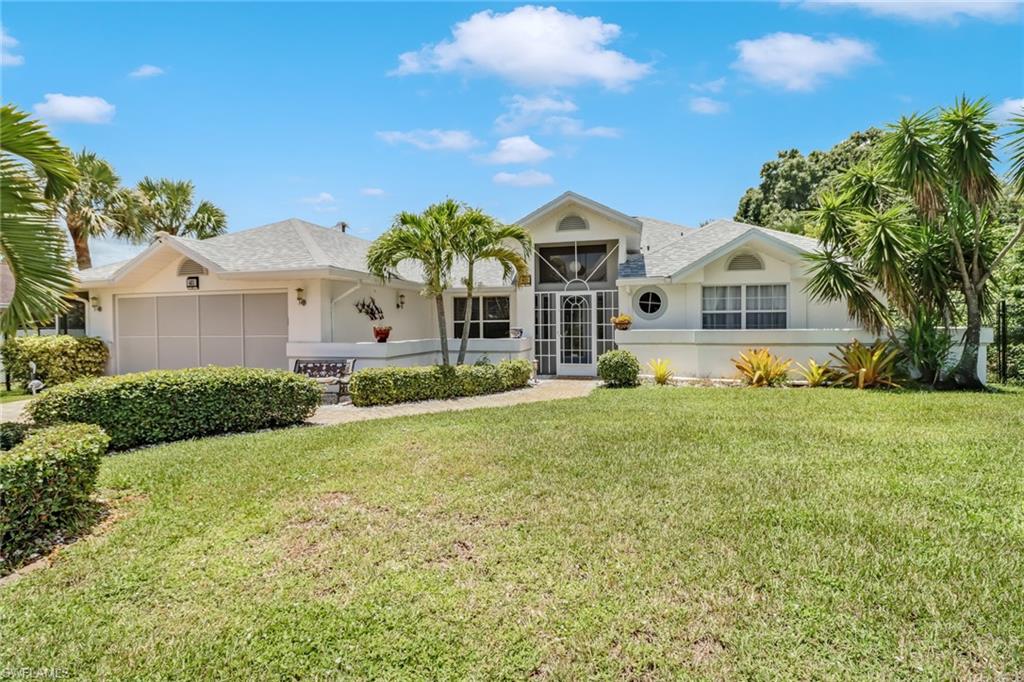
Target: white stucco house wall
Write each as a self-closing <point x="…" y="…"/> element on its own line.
<point x="273" y="294"/>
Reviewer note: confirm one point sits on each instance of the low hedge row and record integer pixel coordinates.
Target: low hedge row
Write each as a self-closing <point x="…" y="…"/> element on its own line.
<point x="390" y="385"/>
<point x="46" y="484"/>
<point x="59" y="359"/>
<point x="166" y="405"/>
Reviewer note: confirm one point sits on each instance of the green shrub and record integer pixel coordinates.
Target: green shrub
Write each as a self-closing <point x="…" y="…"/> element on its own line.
<point x="619" y="368"/>
<point x="59" y="359"/>
<point x="46" y="483"/>
<point x="12" y="433"/>
<point x="390" y="385"/>
<point x="166" y="405"/>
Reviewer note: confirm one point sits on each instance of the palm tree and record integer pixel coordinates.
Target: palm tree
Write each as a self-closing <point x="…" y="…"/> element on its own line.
<point x="167" y="206"/>
<point x="31" y="243"/>
<point x="481" y="238"/>
<point x="429" y="239"/>
<point x="945" y="162"/>
<point x="97" y="206"/>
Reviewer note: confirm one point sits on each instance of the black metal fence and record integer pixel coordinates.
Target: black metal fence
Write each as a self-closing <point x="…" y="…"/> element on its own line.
<point x="1006" y="355"/>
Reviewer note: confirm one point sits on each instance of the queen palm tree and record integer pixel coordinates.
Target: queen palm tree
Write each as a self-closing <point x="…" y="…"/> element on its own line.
<point x="482" y="238"/>
<point x="167" y="206"/>
<point x="35" y="171"/>
<point x="97" y="206"/>
<point x="427" y="238"/>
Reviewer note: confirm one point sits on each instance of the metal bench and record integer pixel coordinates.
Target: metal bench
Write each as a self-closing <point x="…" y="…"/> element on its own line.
<point x="328" y="373"/>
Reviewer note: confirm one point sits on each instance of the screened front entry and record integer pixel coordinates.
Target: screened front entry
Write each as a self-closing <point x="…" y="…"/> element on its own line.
<point x="572" y="330"/>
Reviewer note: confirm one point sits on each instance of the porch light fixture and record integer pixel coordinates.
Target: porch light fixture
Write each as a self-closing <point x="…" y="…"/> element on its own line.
<point x="400" y="301"/>
<point x="94" y="301"/>
<point x="300" y="296"/>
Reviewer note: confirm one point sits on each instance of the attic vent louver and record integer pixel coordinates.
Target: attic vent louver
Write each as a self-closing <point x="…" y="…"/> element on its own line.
<point x="190" y="267"/>
<point x="745" y="261"/>
<point x="572" y="222"/>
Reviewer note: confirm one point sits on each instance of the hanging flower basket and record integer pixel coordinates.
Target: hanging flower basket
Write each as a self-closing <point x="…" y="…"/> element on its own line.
<point x="622" y="322"/>
<point x="381" y="334"/>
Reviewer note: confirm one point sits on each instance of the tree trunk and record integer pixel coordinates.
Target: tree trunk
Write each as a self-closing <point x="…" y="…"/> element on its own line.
<point x="80" y="239"/>
<point x="464" y="343"/>
<point x="966" y="373"/>
<point x="443" y="328"/>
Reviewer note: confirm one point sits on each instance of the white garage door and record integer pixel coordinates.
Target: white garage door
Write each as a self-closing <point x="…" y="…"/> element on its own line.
<point x="190" y="330"/>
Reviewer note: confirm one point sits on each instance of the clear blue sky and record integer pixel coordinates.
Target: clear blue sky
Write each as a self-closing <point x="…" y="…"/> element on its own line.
<point x="311" y="110"/>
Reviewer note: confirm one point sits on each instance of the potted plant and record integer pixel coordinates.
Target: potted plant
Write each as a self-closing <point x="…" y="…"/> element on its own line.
<point x="381" y="333"/>
<point x="622" y="322"/>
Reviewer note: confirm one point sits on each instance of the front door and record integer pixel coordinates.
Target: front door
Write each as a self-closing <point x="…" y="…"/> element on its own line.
<point x="576" y="331"/>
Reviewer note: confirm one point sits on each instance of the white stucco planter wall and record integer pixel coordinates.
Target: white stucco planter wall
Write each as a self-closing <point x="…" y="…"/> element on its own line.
<point x="708" y="353"/>
<point x="410" y="353"/>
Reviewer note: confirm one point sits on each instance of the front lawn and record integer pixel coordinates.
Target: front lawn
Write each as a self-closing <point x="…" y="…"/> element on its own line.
<point x="16" y="393"/>
<point x="646" y="533"/>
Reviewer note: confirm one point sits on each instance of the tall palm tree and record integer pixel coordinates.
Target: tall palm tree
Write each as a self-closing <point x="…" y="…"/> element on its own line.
<point x="946" y="163"/>
<point x="97" y="206"/>
<point x="482" y="238"/>
<point x="429" y="239"/>
<point x="31" y="243"/>
<point x="167" y="206"/>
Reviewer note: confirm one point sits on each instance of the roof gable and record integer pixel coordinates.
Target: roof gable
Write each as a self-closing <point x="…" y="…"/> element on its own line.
<point x="569" y="198"/>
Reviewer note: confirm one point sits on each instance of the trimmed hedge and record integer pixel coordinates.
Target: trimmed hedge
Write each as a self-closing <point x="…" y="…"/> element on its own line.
<point x="12" y="433"/>
<point x="166" y="405"/>
<point x="46" y="484"/>
<point x="59" y="359"/>
<point x="619" y="368"/>
<point x="390" y="385"/>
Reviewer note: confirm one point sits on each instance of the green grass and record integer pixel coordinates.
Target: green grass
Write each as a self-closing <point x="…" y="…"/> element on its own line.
<point x="646" y="533"/>
<point x="16" y="393"/>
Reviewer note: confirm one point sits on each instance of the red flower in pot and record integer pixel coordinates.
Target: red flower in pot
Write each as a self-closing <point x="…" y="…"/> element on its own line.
<point x="381" y="333"/>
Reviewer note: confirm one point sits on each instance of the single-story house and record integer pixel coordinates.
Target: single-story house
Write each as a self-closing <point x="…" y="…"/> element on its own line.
<point x="270" y="295"/>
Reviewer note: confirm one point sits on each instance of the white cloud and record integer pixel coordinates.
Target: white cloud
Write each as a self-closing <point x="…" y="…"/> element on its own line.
<point x="321" y="199"/>
<point x="795" y="61"/>
<point x="372" y="192"/>
<point x="518" y="149"/>
<point x="7" y="43"/>
<point x="147" y="71"/>
<point x="707" y="106"/>
<point x="714" y="86"/>
<point x="1009" y="108"/>
<point x="944" y="11"/>
<point x="75" y="109"/>
<point x="573" y="127"/>
<point x="524" y="112"/>
<point x="527" y="178"/>
<point x="536" y="46"/>
<point x="450" y="140"/>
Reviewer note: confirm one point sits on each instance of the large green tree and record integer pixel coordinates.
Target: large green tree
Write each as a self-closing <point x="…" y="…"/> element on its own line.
<point x="479" y="237"/>
<point x="97" y="206"/>
<point x="35" y="171"/>
<point x="790" y="183"/>
<point x="169" y="206"/>
<point x="426" y="238"/>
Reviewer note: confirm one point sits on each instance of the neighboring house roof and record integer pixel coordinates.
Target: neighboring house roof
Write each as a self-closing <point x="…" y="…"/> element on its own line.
<point x="6" y="285"/>
<point x="669" y="253"/>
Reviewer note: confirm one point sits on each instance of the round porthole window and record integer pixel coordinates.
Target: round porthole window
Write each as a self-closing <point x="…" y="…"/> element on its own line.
<point x="649" y="303"/>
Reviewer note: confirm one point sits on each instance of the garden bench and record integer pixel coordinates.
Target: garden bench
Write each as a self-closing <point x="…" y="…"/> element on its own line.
<point x="328" y="373"/>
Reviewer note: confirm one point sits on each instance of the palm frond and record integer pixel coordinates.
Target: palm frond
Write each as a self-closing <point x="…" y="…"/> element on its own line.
<point x="836" y="278"/>
<point x="967" y="138"/>
<point x="910" y="154"/>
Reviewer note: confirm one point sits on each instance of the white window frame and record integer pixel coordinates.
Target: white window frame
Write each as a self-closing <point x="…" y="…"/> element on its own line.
<point x="743" y="310"/>
<point x="481" y="321"/>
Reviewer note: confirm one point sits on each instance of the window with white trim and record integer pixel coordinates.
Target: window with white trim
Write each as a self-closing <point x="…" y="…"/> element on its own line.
<point x="494" y="323"/>
<point x="753" y="306"/>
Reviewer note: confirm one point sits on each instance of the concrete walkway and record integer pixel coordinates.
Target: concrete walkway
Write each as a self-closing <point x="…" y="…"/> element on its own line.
<point x="546" y="389"/>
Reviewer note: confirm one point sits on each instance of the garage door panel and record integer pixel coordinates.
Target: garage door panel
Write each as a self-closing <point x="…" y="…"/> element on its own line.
<point x="220" y="315"/>
<point x="178" y="352"/>
<point x="136" y="354"/>
<point x="266" y="352"/>
<point x="136" y="316"/>
<point x="176" y="316"/>
<point x="225" y="351"/>
<point x="266" y="314"/>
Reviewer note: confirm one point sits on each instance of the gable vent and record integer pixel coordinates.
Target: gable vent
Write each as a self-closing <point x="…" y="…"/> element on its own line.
<point x="190" y="267"/>
<point x="572" y="222"/>
<point x="745" y="261"/>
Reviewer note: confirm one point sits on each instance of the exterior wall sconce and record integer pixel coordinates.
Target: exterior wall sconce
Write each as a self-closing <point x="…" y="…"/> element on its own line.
<point x="300" y="296"/>
<point x="94" y="301"/>
<point x="400" y="301"/>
